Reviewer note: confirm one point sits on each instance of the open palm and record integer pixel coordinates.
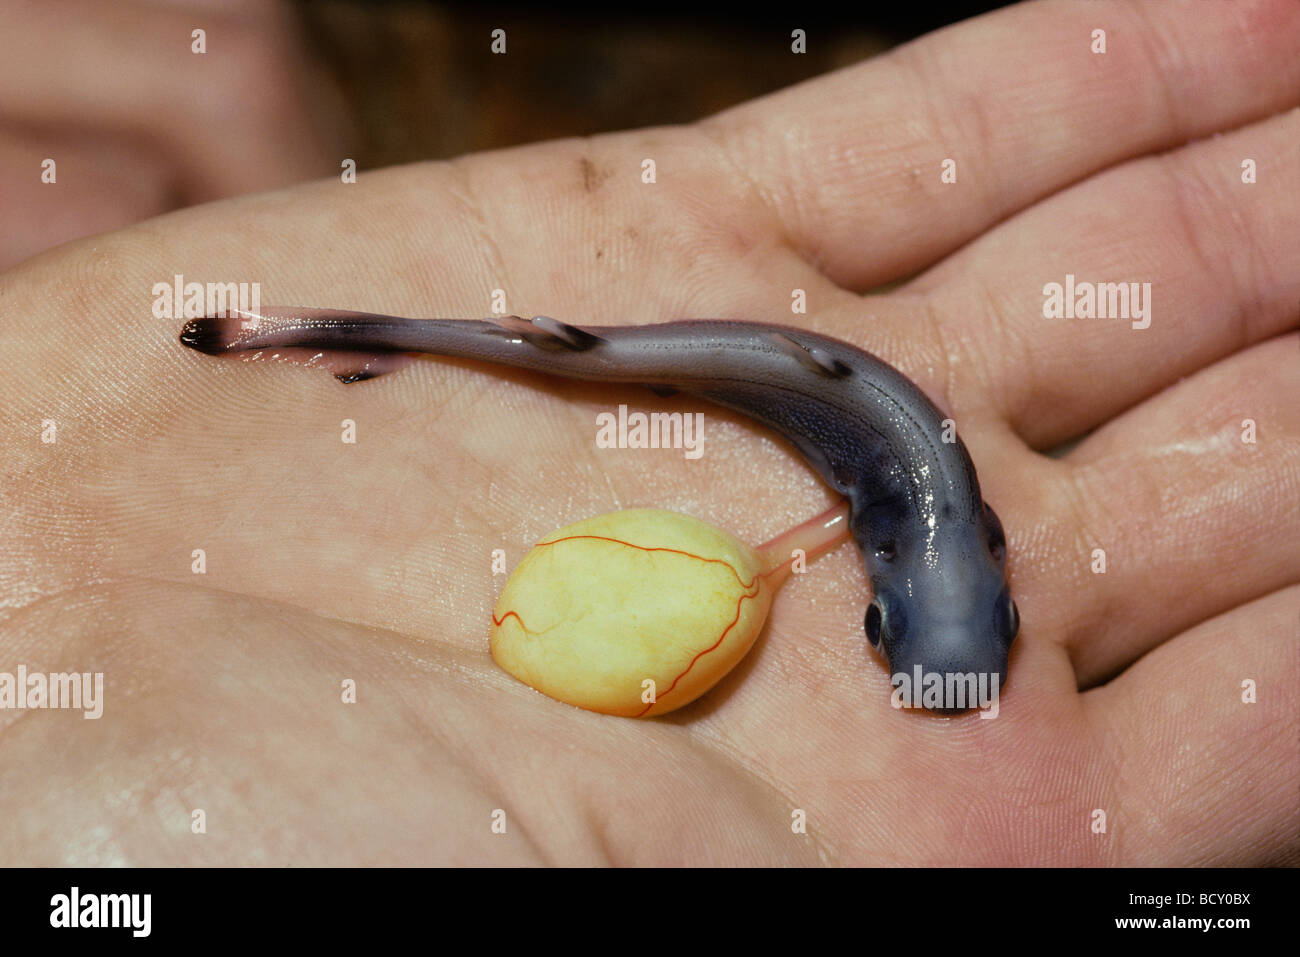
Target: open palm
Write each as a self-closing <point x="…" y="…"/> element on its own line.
<point x="1122" y="737"/>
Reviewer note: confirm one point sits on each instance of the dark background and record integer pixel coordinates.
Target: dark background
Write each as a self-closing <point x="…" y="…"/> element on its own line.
<point x="422" y="83"/>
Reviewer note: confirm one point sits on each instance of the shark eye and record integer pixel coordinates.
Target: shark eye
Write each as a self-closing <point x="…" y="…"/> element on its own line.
<point x="1006" y="617"/>
<point x="997" y="539"/>
<point x="887" y="551"/>
<point x="873" y="624"/>
<point x="886" y="623"/>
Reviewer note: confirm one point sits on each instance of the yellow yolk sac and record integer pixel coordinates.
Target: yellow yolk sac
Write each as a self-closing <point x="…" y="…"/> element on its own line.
<point x="638" y="612"/>
<point x="632" y="613"/>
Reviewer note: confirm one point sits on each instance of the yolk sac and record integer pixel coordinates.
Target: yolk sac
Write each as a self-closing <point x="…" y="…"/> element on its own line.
<point x="639" y="612"/>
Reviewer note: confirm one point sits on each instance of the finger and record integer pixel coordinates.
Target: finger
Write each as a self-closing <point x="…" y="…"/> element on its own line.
<point x="1179" y="510"/>
<point x="1188" y="747"/>
<point x="99" y="183"/>
<point x="1208" y="264"/>
<point x="851" y="162"/>
<point x="231" y="116"/>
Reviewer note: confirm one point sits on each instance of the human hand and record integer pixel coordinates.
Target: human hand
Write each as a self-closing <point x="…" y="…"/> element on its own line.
<point x="371" y="562"/>
<point x="137" y="123"/>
